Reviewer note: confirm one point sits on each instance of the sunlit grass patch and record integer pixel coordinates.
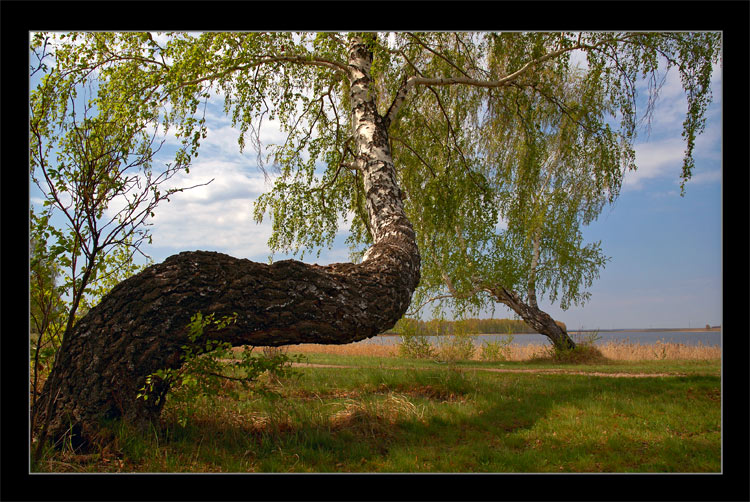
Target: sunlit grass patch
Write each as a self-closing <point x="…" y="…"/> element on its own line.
<point x="424" y="416"/>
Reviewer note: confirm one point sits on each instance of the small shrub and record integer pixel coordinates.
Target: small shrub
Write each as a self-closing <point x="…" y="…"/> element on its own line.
<point x="414" y="345"/>
<point x="498" y="350"/>
<point x="588" y="339"/>
<point x="582" y="354"/>
<point x="660" y="352"/>
<point x="459" y="347"/>
<point x="585" y="352"/>
<point x="276" y="354"/>
<point x="205" y="374"/>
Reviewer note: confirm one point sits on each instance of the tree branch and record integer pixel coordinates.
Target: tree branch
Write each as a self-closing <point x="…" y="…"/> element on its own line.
<point x="513" y="76"/>
<point x="532" y="273"/>
<point x="398" y="100"/>
<point x="333" y="65"/>
<point x="438" y="54"/>
<point x="416" y="153"/>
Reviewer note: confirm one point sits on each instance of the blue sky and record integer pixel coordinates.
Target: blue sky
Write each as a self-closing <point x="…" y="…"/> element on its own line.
<point x="665" y="250"/>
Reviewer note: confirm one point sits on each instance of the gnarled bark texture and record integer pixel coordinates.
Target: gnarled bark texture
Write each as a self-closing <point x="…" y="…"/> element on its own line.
<point x="140" y="325"/>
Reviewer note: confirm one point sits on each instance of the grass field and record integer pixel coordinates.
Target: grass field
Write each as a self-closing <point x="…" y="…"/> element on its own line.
<point x="373" y="412"/>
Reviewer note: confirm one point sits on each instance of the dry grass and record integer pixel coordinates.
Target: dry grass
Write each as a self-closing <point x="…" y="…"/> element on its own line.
<point x="627" y="351"/>
<point x="375" y="416"/>
<point x="352" y="349"/>
<point x="623" y="351"/>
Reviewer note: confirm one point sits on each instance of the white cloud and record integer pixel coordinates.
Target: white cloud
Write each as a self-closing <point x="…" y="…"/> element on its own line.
<point x="670" y="107"/>
<point x="217" y="216"/>
<point x="662" y="153"/>
<point x="221" y="142"/>
<point x="579" y="59"/>
<point x="213" y="225"/>
<point x="222" y="138"/>
<point x="706" y="177"/>
<point x="231" y="180"/>
<point x="655" y="159"/>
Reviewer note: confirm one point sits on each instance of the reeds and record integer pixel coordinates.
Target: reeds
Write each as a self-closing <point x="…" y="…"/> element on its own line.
<point x="351" y="349"/>
<point x="628" y="351"/>
<point x="624" y="351"/>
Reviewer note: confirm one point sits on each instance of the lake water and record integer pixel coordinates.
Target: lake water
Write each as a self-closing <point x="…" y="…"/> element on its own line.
<point x="706" y="338"/>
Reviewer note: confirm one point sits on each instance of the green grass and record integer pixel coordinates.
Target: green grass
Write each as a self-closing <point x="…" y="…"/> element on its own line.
<point x="397" y="415"/>
<point x="676" y="366"/>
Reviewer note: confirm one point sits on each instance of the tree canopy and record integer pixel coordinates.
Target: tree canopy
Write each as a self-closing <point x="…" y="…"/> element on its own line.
<point x="502" y="143"/>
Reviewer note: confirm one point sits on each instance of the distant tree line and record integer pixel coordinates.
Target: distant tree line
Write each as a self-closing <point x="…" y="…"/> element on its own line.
<point x="439" y="327"/>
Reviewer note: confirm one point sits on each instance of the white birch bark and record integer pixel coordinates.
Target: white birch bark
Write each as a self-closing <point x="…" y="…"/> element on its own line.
<point x="388" y="221"/>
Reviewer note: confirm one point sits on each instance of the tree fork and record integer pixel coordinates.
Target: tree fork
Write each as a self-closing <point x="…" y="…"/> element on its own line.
<point x="141" y="324"/>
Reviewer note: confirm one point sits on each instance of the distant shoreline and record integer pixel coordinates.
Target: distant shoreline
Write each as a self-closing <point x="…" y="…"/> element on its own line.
<point x="645" y="330"/>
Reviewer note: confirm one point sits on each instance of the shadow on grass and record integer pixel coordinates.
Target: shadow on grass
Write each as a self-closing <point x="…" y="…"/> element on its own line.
<point x="567" y="423"/>
<point x="448" y="420"/>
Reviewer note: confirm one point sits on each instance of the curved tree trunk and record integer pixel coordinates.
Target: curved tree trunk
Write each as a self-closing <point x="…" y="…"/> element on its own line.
<point x="140" y="326"/>
<point x="541" y="321"/>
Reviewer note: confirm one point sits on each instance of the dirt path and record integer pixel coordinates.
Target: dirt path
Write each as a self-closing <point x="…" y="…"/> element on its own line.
<point x="504" y="370"/>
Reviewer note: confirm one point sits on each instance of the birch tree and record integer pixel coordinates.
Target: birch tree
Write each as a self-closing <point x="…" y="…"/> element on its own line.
<point x="338" y="97"/>
<point x="510" y="227"/>
<point x="500" y="184"/>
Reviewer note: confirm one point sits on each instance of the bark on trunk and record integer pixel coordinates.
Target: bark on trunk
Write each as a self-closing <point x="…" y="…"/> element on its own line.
<point x="140" y="325"/>
<point x="535" y="317"/>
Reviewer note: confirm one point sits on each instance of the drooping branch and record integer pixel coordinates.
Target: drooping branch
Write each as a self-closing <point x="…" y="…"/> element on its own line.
<point x="501" y="82"/>
<point x="415" y="80"/>
<point x="533" y="269"/>
<point x="308" y="61"/>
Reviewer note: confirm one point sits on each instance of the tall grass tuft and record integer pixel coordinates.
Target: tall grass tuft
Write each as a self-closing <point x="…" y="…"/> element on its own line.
<point x="497" y="350"/>
<point x="415" y="344"/>
<point x="457" y="347"/>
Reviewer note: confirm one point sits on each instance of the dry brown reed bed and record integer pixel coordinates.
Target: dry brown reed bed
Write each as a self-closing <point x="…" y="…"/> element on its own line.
<point x="624" y="351"/>
<point x="628" y="351"/>
<point x="352" y="349"/>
